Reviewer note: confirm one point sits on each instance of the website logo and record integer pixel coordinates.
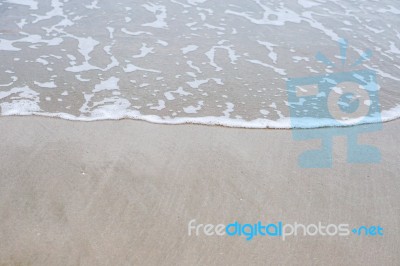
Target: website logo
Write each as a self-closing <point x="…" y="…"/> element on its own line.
<point x="337" y="102"/>
<point x="281" y="230"/>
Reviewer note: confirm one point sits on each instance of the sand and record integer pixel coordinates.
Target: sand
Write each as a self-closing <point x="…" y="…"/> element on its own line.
<point x="123" y="192"/>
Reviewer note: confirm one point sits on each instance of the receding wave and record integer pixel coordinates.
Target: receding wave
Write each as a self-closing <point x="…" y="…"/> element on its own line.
<point x="196" y="61"/>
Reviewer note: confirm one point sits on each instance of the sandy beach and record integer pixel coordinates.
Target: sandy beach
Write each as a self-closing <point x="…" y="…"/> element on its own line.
<point x="168" y="132"/>
<point x="123" y="192"/>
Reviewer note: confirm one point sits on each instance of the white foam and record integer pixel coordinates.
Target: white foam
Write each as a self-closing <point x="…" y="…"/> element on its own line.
<point x="390" y="9"/>
<point x="393" y="48"/>
<point x="180" y="91"/>
<point x="111" y="30"/>
<point x="160" y="106"/>
<point x="229" y="109"/>
<point x="144" y="50"/>
<point x="161" y="14"/>
<point x="276" y="69"/>
<point x="270" y="48"/>
<point x="308" y="3"/>
<point x="109" y="84"/>
<point x="22" y="23"/>
<point x="49" y="84"/>
<point x="42" y="61"/>
<point x="57" y="11"/>
<point x="93" y="5"/>
<point x="136" y="33"/>
<point x="189" y="48"/>
<point x="195" y="84"/>
<point x="231" y="53"/>
<point x="163" y="43"/>
<point x="116" y="56"/>
<point x="85" y="47"/>
<point x="25" y="101"/>
<point x="133" y="68"/>
<point x="283" y="15"/>
<point x="31" y="3"/>
<point x="14" y="79"/>
<point x="78" y="77"/>
<point x="190" y="63"/>
<point x="196" y="2"/>
<point x="193" y="109"/>
<point x="8" y="45"/>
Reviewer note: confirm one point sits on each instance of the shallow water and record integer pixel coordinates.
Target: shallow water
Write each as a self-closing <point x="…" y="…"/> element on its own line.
<point x="198" y="61"/>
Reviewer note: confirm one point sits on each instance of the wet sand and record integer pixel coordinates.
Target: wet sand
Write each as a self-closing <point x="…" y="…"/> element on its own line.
<point x="123" y="192"/>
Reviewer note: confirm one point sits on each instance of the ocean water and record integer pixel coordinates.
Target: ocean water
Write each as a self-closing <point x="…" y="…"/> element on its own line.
<point x="189" y="61"/>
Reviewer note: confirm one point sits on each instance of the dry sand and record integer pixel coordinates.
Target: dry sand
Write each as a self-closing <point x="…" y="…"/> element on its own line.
<point x="123" y="192"/>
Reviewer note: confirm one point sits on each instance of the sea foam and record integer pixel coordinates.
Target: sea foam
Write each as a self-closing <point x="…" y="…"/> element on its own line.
<point x="190" y="61"/>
